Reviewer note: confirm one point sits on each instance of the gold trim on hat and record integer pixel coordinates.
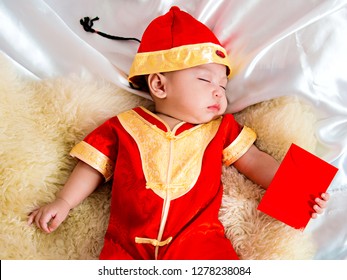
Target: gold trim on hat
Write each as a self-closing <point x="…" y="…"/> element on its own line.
<point x="178" y="58"/>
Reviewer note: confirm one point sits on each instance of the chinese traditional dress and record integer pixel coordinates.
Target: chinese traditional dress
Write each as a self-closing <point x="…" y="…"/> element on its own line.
<point x="167" y="189"/>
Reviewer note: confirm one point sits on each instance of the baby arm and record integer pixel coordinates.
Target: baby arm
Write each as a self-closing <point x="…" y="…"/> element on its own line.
<point x="82" y="182"/>
<point x="260" y="167"/>
<point x="257" y="166"/>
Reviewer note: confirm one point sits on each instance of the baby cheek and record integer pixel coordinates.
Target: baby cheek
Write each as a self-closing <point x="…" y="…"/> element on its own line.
<point x="224" y="105"/>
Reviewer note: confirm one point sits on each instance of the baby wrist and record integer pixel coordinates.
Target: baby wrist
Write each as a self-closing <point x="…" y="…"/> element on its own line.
<point x="66" y="202"/>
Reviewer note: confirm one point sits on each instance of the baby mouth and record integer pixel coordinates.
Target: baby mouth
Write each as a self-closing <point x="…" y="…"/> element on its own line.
<point x="215" y="107"/>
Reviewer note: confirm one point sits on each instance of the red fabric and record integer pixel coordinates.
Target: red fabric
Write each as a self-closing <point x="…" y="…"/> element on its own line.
<point x="136" y="211"/>
<point x="174" y="29"/>
<point x="300" y="178"/>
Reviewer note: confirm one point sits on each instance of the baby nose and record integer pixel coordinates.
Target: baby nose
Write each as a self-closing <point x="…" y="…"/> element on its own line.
<point x="218" y="91"/>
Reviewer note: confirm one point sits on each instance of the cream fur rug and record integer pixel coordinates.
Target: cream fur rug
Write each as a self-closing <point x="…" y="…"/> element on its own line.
<point x="42" y="120"/>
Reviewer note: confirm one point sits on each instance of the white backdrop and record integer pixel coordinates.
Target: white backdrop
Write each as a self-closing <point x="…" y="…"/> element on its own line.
<point x="277" y="47"/>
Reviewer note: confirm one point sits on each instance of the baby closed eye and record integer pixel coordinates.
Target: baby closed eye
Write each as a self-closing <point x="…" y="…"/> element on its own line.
<point x="208" y="81"/>
<point x="204" y="80"/>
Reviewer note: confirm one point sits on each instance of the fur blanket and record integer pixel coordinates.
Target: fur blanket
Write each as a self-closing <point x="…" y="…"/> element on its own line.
<point x="42" y="120"/>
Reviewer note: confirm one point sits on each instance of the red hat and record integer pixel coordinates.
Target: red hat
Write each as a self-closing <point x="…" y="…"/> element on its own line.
<point x="176" y="41"/>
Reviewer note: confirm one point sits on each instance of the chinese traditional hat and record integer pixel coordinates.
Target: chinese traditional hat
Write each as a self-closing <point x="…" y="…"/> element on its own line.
<point x="176" y="41"/>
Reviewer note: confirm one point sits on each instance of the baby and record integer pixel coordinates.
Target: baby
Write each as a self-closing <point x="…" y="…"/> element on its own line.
<point x="166" y="165"/>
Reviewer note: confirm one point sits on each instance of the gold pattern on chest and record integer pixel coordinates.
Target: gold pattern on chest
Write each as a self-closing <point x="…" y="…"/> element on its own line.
<point x="171" y="163"/>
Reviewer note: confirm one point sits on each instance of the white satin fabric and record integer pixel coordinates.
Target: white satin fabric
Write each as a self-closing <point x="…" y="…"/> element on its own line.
<point x="277" y="47"/>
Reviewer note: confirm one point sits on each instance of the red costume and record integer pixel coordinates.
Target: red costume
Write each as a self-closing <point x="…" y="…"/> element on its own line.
<point x="167" y="189"/>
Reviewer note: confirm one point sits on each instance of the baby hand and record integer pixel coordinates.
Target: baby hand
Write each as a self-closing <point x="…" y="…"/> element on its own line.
<point x="321" y="204"/>
<point x="50" y="216"/>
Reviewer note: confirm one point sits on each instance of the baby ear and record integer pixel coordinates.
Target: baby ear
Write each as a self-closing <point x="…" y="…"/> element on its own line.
<point x="156" y="83"/>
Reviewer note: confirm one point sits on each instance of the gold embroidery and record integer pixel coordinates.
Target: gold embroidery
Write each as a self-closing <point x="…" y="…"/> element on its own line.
<point x="154" y="242"/>
<point x="167" y="60"/>
<point x="171" y="163"/>
<point x="94" y="158"/>
<point x="239" y="146"/>
<point x="164" y="187"/>
<point x="170" y="135"/>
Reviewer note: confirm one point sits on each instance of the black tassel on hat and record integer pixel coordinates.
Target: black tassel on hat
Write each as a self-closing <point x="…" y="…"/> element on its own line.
<point x="87" y="24"/>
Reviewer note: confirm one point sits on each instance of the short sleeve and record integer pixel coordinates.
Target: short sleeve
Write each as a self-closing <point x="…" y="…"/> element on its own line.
<point x="239" y="146"/>
<point x="99" y="149"/>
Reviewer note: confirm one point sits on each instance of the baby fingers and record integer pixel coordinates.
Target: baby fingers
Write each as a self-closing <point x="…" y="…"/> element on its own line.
<point x="43" y="221"/>
<point x="325" y="196"/>
<point x="49" y="217"/>
<point x="318" y="209"/>
<point x="321" y="203"/>
<point x="32" y="217"/>
<point x="40" y="219"/>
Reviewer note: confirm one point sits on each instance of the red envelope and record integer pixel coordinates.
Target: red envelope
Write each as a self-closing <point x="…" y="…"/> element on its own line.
<point x="300" y="178"/>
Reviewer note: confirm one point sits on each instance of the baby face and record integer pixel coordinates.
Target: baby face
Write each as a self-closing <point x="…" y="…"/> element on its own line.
<point x="197" y="94"/>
